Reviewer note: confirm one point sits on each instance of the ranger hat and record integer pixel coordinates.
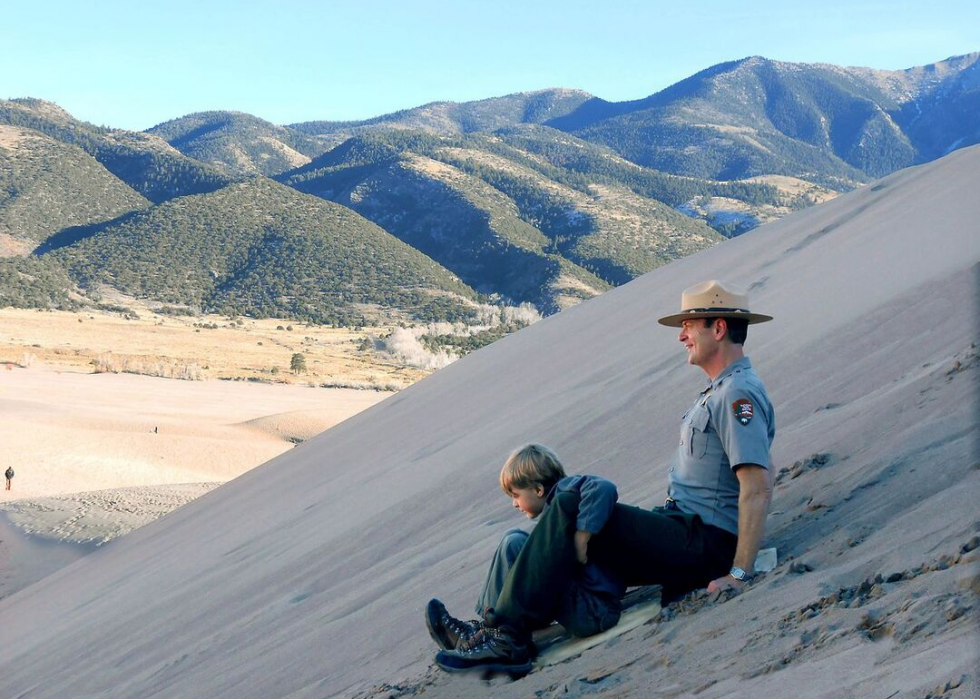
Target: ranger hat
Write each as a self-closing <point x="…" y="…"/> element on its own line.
<point x="712" y="299"/>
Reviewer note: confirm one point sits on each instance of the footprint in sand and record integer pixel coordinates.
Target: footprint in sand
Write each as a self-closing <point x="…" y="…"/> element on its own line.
<point x="814" y="462"/>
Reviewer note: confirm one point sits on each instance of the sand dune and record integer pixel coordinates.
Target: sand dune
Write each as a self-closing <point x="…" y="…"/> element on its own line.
<point x="68" y="433"/>
<point x="295" y="425"/>
<point x="98" y="456"/>
<point x="41" y="535"/>
<point x="24" y="559"/>
<point x="305" y="578"/>
<point x="100" y="516"/>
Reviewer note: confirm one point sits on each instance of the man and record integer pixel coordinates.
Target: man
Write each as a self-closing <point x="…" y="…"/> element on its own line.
<point x="9" y="474"/>
<point x="722" y="471"/>
<point x="709" y="530"/>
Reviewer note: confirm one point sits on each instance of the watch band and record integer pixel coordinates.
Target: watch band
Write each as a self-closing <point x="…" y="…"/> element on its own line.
<point x="739" y="574"/>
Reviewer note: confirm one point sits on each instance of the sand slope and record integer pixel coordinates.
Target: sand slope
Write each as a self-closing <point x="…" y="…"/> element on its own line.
<point x="306" y="577"/>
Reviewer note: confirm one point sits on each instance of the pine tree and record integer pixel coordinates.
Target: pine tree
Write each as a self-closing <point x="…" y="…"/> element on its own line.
<point x="298" y="363"/>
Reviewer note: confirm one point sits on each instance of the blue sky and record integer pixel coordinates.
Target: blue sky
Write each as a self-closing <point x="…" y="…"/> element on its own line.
<point x="135" y="64"/>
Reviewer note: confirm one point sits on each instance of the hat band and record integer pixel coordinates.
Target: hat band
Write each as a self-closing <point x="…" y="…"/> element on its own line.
<point x="717" y="309"/>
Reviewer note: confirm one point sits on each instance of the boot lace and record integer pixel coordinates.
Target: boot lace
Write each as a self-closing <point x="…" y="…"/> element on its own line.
<point x="477" y="638"/>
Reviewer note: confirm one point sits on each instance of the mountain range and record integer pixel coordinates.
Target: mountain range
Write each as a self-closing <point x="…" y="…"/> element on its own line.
<point x="548" y="197"/>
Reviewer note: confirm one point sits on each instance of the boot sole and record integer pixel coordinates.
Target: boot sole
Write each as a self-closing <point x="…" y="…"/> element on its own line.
<point x="515" y="671"/>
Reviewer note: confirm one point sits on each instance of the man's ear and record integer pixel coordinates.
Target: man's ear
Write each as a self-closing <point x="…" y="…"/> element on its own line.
<point x="720" y="328"/>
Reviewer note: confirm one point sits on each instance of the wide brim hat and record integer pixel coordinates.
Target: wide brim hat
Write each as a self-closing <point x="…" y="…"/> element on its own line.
<point x="712" y="299"/>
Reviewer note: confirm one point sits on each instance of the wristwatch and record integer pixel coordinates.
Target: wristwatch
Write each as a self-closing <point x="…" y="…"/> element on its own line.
<point x="739" y="574"/>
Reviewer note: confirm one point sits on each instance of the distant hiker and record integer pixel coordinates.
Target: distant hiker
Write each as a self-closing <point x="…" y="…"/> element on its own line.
<point x="534" y="478"/>
<point x="9" y="473"/>
<point x="708" y="531"/>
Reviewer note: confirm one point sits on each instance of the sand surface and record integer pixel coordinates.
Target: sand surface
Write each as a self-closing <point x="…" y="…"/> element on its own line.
<point x="99" y="455"/>
<point x="99" y="516"/>
<point x="69" y="433"/>
<point x="306" y="578"/>
<point x="25" y="559"/>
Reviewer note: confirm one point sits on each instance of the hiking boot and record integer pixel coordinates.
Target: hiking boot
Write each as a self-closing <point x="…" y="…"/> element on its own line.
<point x="446" y="630"/>
<point x="490" y="650"/>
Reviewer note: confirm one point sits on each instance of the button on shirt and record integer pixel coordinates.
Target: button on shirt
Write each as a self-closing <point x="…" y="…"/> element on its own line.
<point x="731" y="423"/>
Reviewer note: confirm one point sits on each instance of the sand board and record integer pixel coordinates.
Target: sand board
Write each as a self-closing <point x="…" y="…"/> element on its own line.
<point x="556" y="646"/>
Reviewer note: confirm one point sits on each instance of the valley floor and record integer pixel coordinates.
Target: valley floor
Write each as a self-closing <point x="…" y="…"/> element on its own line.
<point x="97" y="455"/>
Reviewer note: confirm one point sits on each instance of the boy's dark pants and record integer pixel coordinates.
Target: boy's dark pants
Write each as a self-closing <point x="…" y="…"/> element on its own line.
<point x="582" y="611"/>
<point x="641" y="547"/>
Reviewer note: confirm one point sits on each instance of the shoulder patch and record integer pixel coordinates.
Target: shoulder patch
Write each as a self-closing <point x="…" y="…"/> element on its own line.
<point x="743" y="410"/>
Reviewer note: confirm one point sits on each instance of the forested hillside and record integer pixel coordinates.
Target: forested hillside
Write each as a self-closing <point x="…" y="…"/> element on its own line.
<point x="47" y="186"/>
<point x="261" y="249"/>
<point x="240" y="144"/>
<point x="147" y="164"/>
<point x="501" y="219"/>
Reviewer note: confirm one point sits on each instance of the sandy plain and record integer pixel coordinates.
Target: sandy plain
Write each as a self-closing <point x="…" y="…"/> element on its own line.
<point x="97" y="455"/>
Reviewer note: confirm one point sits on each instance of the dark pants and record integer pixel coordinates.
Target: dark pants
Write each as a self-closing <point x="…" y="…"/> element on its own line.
<point x="585" y="613"/>
<point x="640" y="547"/>
<point x="581" y="611"/>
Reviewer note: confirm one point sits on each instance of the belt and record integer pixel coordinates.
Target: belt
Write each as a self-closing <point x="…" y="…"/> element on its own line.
<point x="671" y="504"/>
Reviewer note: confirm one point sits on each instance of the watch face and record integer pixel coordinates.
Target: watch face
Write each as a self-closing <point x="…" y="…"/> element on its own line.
<point x="738" y="574"/>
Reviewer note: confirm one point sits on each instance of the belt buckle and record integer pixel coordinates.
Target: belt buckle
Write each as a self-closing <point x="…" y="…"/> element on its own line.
<point x="670" y="504"/>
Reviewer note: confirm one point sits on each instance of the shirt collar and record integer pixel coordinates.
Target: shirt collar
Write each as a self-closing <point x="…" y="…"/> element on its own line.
<point x="737" y="365"/>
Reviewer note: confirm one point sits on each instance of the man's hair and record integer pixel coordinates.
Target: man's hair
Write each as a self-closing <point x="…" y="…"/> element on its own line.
<point x="738" y="328"/>
<point x="530" y="466"/>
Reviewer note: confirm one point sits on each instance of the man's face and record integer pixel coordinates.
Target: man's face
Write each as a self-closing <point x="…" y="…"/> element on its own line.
<point x="699" y="339"/>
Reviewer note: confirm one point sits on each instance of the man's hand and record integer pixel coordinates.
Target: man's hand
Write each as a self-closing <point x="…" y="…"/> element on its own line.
<point x="726" y="582"/>
<point x="582" y="546"/>
<point x="755" y="492"/>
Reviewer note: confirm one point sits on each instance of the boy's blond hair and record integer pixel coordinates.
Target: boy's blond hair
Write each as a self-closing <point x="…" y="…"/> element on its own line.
<point x="530" y="466"/>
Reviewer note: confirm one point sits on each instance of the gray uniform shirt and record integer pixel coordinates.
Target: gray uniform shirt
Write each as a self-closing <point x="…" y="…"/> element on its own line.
<point x="731" y="423"/>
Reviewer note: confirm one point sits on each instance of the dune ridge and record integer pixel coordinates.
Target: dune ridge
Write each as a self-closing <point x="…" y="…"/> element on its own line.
<point x="306" y="577"/>
<point x="293" y="425"/>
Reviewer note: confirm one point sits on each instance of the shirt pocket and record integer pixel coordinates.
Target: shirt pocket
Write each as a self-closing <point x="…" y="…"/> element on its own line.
<point x="697" y="425"/>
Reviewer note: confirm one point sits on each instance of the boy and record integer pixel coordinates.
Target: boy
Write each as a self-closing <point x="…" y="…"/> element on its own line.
<point x="534" y="479"/>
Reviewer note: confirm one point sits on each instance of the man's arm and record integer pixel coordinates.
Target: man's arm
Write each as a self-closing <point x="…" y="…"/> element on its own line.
<point x="755" y="493"/>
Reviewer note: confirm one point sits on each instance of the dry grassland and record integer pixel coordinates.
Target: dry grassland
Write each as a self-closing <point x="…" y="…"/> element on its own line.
<point x="794" y="187"/>
<point x="242" y="349"/>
